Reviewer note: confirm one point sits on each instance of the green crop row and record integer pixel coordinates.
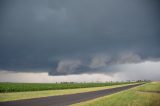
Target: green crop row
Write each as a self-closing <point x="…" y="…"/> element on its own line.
<point x="20" y="87"/>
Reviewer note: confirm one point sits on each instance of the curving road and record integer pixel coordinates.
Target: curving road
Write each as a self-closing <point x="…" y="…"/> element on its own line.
<point x="65" y="100"/>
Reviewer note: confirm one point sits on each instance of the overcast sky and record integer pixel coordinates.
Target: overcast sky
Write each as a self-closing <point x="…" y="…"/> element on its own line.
<point x="66" y="39"/>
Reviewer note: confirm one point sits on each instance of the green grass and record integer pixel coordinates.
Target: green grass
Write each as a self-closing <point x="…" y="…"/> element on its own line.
<point x="154" y="86"/>
<point x="19" y="87"/>
<point x="131" y="97"/>
<point x="10" y="96"/>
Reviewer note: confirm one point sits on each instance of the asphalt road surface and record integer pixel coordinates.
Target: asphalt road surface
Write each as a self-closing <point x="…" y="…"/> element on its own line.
<point x="65" y="100"/>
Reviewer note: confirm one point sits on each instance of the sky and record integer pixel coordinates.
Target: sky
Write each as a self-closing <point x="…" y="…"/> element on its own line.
<point x="79" y="40"/>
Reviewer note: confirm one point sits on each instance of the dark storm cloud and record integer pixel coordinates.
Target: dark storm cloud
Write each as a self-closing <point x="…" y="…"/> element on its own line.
<point x="77" y="36"/>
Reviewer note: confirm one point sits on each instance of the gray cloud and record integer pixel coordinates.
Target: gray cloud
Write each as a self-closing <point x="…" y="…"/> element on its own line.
<point x="77" y="36"/>
<point x="99" y="63"/>
<point x="68" y="65"/>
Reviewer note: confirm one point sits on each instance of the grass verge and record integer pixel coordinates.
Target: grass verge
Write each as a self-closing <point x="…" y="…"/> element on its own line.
<point x="133" y="97"/>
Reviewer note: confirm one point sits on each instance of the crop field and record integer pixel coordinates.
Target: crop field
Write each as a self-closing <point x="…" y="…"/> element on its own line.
<point x="20" y="87"/>
<point x="145" y="95"/>
<point x="11" y="96"/>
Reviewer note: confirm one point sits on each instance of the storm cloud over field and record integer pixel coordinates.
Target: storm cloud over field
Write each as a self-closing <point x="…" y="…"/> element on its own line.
<point x="66" y="37"/>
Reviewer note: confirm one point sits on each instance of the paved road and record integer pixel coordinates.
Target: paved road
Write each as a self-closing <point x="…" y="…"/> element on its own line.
<point x="65" y="100"/>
